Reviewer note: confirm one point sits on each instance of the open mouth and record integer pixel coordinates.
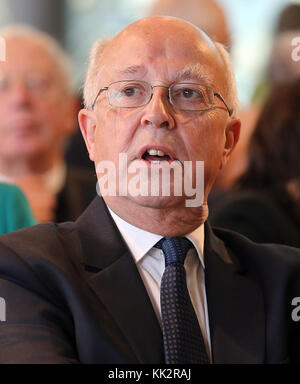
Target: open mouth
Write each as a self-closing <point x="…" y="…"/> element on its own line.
<point x="156" y="154"/>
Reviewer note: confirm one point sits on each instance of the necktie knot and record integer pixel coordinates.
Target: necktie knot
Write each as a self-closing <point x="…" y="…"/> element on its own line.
<point x="175" y="249"/>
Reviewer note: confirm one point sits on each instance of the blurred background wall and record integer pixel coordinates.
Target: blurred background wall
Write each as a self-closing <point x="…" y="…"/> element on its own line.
<point x="77" y="23"/>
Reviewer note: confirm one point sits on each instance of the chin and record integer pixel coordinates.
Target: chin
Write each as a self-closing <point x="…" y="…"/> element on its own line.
<point x="30" y="146"/>
<point x="158" y="202"/>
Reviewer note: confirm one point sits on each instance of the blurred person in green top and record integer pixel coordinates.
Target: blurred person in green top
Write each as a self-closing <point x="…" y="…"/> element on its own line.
<point x="14" y="209"/>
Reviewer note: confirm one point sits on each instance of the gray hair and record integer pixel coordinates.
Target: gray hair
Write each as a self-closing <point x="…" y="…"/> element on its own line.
<point x="92" y="78"/>
<point x="90" y="88"/>
<point x="231" y="87"/>
<point x="51" y="46"/>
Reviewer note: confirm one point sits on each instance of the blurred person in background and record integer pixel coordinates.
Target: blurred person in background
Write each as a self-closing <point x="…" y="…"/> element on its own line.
<point x="37" y="116"/>
<point x="266" y="206"/>
<point x="15" y="212"/>
<point x="281" y="66"/>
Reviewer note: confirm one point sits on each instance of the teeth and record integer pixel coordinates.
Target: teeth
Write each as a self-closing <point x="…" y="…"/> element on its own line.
<point x="155" y="161"/>
<point x="155" y="152"/>
<point x="152" y="152"/>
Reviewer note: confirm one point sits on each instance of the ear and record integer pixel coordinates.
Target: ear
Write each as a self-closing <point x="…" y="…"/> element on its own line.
<point x="232" y="134"/>
<point x="87" y="123"/>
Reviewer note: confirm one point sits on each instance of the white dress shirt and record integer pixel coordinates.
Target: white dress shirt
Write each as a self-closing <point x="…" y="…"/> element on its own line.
<point x="150" y="263"/>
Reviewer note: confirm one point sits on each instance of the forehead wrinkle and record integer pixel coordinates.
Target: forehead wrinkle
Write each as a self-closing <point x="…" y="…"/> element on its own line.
<point x="194" y="72"/>
<point x="132" y="70"/>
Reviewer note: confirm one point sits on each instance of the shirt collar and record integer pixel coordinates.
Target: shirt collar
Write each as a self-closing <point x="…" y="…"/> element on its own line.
<point x="140" y="241"/>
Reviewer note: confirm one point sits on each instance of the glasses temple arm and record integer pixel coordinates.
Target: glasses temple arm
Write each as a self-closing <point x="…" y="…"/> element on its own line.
<point x="100" y="90"/>
<point x="223" y="100"/>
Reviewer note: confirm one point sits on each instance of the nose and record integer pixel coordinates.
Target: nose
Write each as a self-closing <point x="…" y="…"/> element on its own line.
<point x="16" y="93"/>
<point x="19" y="95"/>
<point x="157" y="111"/>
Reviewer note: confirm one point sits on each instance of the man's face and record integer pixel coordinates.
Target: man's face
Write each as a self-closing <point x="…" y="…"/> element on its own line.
<point x="188" y="136"/>
<point x="34" y="104"/>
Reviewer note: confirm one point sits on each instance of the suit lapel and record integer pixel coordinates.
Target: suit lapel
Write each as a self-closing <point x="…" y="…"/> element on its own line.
<point x="235" y="306"/>
<point x="118" y="284"/>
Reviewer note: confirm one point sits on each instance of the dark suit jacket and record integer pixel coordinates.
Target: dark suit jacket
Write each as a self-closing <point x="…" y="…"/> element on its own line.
<point x="73" y="294"/>
<point x="78" y="192"/>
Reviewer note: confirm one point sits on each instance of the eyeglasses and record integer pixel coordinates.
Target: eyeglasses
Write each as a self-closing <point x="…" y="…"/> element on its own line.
<point x="35" y="84"/>
<point x="183" y="96"/>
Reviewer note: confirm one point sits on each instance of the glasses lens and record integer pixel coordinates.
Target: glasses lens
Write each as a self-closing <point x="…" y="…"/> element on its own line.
<point x="129" y="94"/>
<point x="191" y="97"/>
<point x="34" y="83"/>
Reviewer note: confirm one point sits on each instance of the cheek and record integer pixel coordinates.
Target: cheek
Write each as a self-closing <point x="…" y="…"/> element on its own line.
<point x="50" y="117"/>
<point x="114" y="133"/>
<point x="199" y="137"/>
<point x="204" y="142"/>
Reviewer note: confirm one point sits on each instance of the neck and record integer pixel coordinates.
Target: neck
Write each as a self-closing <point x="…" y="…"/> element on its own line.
<point x="37" y="164"/>
<point x="171" y="222"/>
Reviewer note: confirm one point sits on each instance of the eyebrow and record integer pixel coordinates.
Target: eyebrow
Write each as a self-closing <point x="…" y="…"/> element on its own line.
<point x="194" y="72"/>
<point x="131" y="70"/>
<point x="189" y="72"/>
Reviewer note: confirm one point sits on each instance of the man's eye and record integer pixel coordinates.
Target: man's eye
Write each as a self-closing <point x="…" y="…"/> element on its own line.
<point x="130" y="91"/>
<point x="189" y="93"/>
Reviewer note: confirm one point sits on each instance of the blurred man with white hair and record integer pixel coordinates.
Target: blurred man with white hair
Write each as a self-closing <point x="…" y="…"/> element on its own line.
<point x="37" y="116"/>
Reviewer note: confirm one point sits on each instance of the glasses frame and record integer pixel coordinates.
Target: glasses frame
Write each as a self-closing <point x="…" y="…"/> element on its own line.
<point x="217" y="94"/>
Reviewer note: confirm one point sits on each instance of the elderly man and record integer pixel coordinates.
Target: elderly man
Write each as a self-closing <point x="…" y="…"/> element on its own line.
<point x="37" y="115"/>
<point x="141" y="277"/>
